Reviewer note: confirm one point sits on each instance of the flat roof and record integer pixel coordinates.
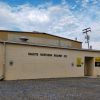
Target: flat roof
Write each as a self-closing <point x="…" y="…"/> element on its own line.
<point x="39" y="45"/>
<point x="36" y="32"/>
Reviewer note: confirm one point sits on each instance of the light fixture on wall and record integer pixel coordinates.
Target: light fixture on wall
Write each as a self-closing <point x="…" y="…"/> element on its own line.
<point x="72" y="64"/>
<point x="11" y="63"/>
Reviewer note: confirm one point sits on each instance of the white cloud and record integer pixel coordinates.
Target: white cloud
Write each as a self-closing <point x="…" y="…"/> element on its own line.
<point x="3" y="28"/>
<point x="54" y="19"/>
<point x="96" y="45"/>
<point x="95" y="1"/>
<point x="85" y="3"/>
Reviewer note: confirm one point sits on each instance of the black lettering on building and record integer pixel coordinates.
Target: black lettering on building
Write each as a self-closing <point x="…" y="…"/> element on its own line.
<point x="65" y="56"/>
<point x="45" y="54"/>
<point x="33" y="54"/>
<point x="57" y="55"/>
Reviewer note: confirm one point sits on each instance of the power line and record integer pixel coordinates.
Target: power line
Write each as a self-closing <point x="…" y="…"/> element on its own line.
<point x="87" y="37"/>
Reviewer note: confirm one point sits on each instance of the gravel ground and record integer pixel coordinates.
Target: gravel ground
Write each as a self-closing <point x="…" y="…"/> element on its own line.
<point x="51" y="89"/>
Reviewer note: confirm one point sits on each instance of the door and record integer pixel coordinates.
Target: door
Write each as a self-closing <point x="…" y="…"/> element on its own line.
<point x="88" y="67"/>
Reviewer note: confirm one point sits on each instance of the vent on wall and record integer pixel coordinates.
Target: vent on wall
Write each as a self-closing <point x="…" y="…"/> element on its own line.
<point x="24" y="39"/>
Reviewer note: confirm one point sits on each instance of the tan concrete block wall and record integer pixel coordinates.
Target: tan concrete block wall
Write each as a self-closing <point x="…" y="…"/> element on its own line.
<point x="66" y="43"/>
<point x="30" y="67"/>
<point x="76" y="45"/>
<point x="45" y="41"/>
<point x="40" y="38"/>
<point x="34" y="40"/>
<point x="3" y="36"/>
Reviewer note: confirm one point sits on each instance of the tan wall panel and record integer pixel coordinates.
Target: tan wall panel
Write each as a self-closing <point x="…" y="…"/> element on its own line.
<point x="40" y="38"/>
<point x="30" y="67"/>
<point x="3" y="36"/>
<point x="34" y="40"/>
<point x="33" y="35"/>
<point x="65" y="43"/>
<point x="27" y="67"/>
<point x="45" y="41"/>
<point x="76" y="45"/>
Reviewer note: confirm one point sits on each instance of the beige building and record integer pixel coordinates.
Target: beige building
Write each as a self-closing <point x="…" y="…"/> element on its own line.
<point x="34" y="55"/>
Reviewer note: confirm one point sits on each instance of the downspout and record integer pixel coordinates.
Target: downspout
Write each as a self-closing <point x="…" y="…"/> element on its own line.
<point x="4" y="60"/>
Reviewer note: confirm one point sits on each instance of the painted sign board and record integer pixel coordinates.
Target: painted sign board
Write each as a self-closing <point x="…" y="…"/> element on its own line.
<point x="79" y="62"/>
<point x="97" y="62"/>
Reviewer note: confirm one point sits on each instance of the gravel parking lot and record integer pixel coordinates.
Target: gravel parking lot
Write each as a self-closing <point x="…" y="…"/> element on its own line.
<point x="51" y="89"/>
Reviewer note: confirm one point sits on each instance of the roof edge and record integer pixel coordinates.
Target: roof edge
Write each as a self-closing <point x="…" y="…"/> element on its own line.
<point x="40" y="33"/>
<point x="30" y="44"/>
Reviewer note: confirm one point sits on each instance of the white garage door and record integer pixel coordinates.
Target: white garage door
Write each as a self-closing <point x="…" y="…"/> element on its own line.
<point x="30" y="62"/>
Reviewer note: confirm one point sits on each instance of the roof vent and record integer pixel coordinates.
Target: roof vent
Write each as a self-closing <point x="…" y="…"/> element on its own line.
<point x="24" y="39"/>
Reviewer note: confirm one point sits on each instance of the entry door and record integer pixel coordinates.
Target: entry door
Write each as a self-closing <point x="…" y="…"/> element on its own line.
<point x="88" y="67"/>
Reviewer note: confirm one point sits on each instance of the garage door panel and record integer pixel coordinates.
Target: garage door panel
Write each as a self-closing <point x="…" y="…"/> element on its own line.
<point x="31" y="66"/>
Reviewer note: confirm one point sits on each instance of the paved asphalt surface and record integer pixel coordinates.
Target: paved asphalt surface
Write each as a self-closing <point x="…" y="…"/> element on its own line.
<point x="51" y="89"/>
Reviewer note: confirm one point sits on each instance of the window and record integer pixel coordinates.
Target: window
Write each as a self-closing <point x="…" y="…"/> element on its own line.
<point x="97" y="64"/>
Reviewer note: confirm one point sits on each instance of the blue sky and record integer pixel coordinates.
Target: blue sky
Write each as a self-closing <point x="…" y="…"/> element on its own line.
<point x="33" y="2"/>
<point x="64" y="18"/>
